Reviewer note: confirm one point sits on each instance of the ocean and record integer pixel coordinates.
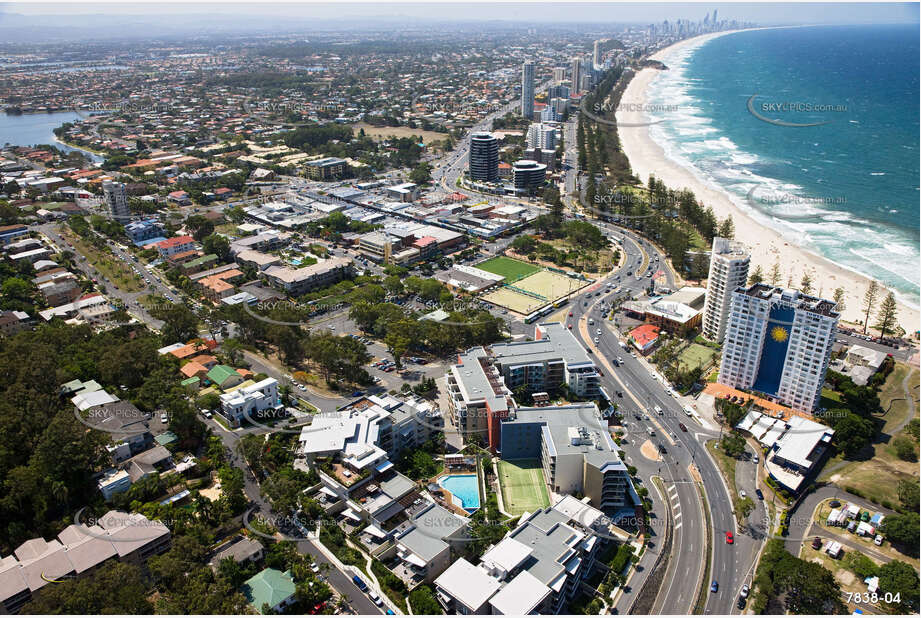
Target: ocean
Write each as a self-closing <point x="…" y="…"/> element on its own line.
<point x="826" y="152"/>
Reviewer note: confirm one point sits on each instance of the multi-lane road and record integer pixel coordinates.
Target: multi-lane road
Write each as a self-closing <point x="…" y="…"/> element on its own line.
<point x="683" y="466"/>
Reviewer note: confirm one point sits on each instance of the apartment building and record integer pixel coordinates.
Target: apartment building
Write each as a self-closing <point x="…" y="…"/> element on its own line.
<point x="729" y="263"/>
<point x="527" y="89"/>
<point x="142" y="232"/>
<point x="424" y="547"/>
<point x="484" y="157"/>
<point x="478" y="398"/>
<point x="250" y="401"/>
<point x="302" y="280"/>
<point x="78" y="551"/>
<point x="576" y="452"/>
<point x="541" y="136"/>
<point x="116" y="198"/>
<point x="537" y="568"/>
<point x="326" y="168"/>
<point x="778" y="342"/>
<point x="177" y="244"/>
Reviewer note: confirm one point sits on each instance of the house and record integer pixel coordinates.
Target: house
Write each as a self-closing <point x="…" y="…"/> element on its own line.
<point x="242" y="549"/>
<point x="224" y="377"/>
<point x="269" y="588"/>
<point x="193" y="369"/>
<point x="644" y="338"/>
<point x="179" y="197"/>
<point x="11" y="322"/>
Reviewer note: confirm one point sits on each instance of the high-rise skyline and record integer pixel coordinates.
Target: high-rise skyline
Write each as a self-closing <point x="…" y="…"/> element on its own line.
<point x="527" y="89"/>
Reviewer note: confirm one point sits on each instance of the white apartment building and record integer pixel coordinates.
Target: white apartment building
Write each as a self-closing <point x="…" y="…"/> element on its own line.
<point x="116" y="198"/>
<point x="728" y="270"/>
<point x="778" y="342"/>
<point x="250" y="400"/>
<point x="538" y="568"/>
<point x="541" y="136"/>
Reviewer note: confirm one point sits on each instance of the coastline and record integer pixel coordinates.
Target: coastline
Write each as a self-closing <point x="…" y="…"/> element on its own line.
<point x="766" y="244"/>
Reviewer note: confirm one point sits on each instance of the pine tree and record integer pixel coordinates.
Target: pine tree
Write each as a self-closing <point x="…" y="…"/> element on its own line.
<point x="869" y="302"/>
<point x="805" y="283"/>
<point x="839" y="299"/>
<point x="727" y="229"/>
<point x="774" y="277"/>
<point x="757" y="276"/>
<point x="887" y="316"/>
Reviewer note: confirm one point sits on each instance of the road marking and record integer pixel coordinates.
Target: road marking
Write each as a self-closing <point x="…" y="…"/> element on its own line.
<point x="678" y="514"/>
<point x="678" y="525"/>
<point x="675" y="497"/>
<point x="673" y="488"/>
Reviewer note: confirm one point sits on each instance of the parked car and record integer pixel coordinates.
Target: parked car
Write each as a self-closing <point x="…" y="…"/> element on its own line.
<point x="360" y="583"/>
<point x="817" y="542"/>
<point x="760" y="494"/>
<point x="744" y="592"/>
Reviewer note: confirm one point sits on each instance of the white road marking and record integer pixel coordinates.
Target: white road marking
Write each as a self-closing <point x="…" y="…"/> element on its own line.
<point x="678" y="525"/>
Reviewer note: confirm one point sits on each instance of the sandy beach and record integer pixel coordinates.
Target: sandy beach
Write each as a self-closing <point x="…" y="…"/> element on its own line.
<point x="646" y="157"/>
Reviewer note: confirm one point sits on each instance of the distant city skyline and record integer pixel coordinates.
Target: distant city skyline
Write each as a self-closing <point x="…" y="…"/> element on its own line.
<point x="530" y="12"/>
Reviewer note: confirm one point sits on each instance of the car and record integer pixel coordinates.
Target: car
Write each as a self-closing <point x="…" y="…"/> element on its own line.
<point x="164" y="418"/>
<point x="390" y="612"/>
<point x="760" y="494"/>
<point x="817" y="542"/>
<point x="598" y="331"/>
<point x="209" y="414"/>
<point x="657" y="409"/>
<point x="570" y="314"/>
<point x="741" y="603"/>
<point x="834" y="504"/>
<point x="715" y="586"/>
<point x="374" y="597"/>
<point x="729" y="538"/>
<point x="878" y="540"/>
<point x="360" y="583"/>
<point x="620" y="360"/>
<point x="314" y="567"/>
<point x="569" y="326"/>
<point x="743" y="494"/>
<point x="744" y="592"/>
<point x="683" y="427"/>
<point x="597" y="340"/>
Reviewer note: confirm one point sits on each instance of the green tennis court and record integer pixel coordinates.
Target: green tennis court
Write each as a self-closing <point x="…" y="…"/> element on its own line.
<point x="512" y="270"/>
<point x="522" y="484"/>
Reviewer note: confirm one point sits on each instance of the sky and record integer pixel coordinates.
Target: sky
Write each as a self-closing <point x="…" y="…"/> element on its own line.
<point x="765" y="13"/>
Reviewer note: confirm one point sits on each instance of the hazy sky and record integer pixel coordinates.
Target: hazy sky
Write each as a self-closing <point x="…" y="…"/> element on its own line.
<point x="766" y="13"/>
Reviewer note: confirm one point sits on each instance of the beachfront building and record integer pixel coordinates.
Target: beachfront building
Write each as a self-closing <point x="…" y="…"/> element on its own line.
<point x="778" y="342"/>
<point x="796" y="446"/>
<point x="537" y="568"/>
<point x="541" y="136"/>
<point x="729" y="263"/>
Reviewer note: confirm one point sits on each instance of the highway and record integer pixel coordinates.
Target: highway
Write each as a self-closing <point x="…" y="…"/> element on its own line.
<point x="642" y="391"/>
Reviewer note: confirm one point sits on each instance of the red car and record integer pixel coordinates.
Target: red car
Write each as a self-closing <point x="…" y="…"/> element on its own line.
<point x="729" y="538"/>
<point x="570" y="314"/>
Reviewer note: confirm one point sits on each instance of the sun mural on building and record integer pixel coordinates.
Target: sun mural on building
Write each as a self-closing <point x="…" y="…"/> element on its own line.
<point x="779" y="334"/>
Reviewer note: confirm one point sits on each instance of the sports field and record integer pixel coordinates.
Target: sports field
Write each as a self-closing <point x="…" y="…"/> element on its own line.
<point x="522" y="485"/>
<point x="511" y="269"/>
<point x="549" y="284"/>
<point x="515" y="301"/>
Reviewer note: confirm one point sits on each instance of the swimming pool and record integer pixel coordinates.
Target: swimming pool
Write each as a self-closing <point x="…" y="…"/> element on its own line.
<point x="464" y="488"/>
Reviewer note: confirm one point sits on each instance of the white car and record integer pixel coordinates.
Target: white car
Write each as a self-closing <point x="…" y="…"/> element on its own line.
<point x="164" y="418"/>
<point x="597" y="340"/>
<point x="743" y="494"/>
<point x="657" y="409"/>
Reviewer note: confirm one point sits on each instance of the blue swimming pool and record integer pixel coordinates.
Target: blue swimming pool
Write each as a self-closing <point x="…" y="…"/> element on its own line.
<point x="464" y="488"/>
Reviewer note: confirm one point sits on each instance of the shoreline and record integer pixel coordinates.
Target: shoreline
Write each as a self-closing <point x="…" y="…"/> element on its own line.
<point x="766" y="244"/>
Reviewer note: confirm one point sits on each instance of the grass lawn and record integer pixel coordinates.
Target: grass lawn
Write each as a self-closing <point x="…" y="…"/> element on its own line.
<point x="380" y="133"/>
<point x="727" y="467"/>
<point x="230" y="229"/>
<point x="877" y="476"/>
<point x="522" y="484"/>
<point x="115" y="270"/>
<point x="695" y="354"/>
<point x="511" y="269"/>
